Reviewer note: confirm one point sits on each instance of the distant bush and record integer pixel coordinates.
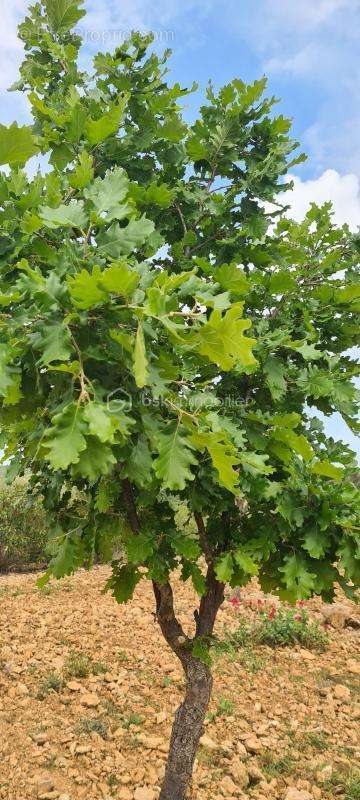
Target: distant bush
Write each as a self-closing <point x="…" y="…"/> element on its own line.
<point x="23" y="527"/>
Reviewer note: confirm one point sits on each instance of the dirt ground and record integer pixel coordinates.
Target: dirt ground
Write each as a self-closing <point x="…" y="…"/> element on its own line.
<point x="88" y="690"/>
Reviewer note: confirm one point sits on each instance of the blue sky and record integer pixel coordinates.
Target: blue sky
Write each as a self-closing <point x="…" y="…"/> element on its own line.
<point x="309" y="51"/>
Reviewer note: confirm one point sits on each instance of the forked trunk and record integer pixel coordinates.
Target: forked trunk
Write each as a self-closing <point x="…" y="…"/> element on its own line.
<point x="187" y="730"/>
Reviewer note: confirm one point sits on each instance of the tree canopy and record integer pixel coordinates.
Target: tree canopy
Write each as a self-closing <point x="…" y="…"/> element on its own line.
<point x="165" y="329"/>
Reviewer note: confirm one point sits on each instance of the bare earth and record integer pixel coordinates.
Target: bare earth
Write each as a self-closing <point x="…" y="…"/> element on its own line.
<point x="291" y="729"/>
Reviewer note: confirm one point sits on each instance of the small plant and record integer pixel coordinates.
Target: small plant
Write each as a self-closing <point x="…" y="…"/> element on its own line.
<point x="132" y="719"/>
<point x="123" y="657"/>
<point x="166" y="682"/>
<point x="78" y="665"/>
<point x="273" y="765"/>
<point x="95" y="725"/>
<point x="284" y="627"/>
<point x="98" y="668"/>
<point x="353" y="788"/>
<point x="318" y="740"/>
<point x="50" y="683"/>
<point x="278" y="628"/>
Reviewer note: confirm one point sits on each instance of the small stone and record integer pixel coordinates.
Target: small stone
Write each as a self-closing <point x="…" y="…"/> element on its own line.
<point x="160" y="718"/>
<point x="208" y="743"/>
<point x="239" y="773"/>
<point x="255" y="774"/>
<point x="124" y="794"/>
<point x="90" y="700"/>
<point x="151" y="742"/>
<point x="342" y="692"/>
<point x="144" y="793"/>
<point x="82" y="749"/>
<point x="297" y="794"/>
<point x="22" y="690"/>
<point x="74" y="686"/>
<point x="353" y="666"/>
<point x="64" y="797"/>
<point x="44" y="784"/>
<point x="228" y="787"/>
<point x="40" y="738"/>
<point x="241" y="750"/>
<point x="323" y="775"/>
<point x="253" y="745"/>
<point x="307" y="655"/>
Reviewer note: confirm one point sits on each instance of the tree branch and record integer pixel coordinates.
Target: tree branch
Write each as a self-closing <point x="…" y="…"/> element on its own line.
<point x="130" y="506"/>
<point x="170" y="626"/>
<point x="209" y="557"/>
<point x="209" y="604"/>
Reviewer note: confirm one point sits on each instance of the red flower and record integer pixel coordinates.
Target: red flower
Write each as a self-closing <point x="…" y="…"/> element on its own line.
<point x="272" y="613"/>
<point x="235" y="602"/>
<point x="298" y="617"/>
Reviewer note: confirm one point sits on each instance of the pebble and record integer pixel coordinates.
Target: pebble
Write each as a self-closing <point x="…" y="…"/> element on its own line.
<point x="90" y="700"/>
<point x="144" y="793"/>
<point x="253" y="745"/>
<point x="297" y="794"/>
<point x="240" y="774"/>
<point x="208" y="743"/>
<point x="342" y="692"/>
<point x="40" y="738"/>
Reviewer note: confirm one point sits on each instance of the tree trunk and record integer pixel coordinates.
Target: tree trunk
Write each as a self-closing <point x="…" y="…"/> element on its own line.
<point x="187" y="730"/>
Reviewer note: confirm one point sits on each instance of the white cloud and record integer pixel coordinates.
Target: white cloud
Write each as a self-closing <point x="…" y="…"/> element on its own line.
<point x="342" y="190"/>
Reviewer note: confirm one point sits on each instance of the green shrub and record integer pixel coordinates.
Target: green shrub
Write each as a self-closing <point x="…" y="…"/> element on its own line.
<point x="277" y="628"/>
<point x="23" y="527"/>
<point x="286" y="627"/>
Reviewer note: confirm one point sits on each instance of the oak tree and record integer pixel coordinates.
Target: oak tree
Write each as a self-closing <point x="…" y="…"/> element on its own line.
<point x="165" y="332"/>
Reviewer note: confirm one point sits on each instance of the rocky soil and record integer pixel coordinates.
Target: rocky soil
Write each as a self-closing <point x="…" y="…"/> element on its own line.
<point x="88" y="690"/>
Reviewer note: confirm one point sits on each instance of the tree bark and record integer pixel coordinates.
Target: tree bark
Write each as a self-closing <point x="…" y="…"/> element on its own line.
<point x="190" y="716"/>
<point x="187" y="730"/>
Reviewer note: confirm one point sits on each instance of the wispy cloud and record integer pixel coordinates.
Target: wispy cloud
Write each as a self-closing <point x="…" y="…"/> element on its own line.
<point x="342" y="190"/>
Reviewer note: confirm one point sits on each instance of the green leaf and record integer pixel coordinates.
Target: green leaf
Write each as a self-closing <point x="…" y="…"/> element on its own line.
<point x="139" y="465"/>
<point x="95" y="460"/>
<point x="255" y="463"/>
<point x="83" y="172"/>
<point x="245" y="562"/>
<point x="231" y="277"/>
<point x="327" y="469"/>
<point x="141" y="373"/>
<point x="138" y="548"/>
<point x="64" y="14"/>
<point x="123" y="582"/>
<point x="294" y="441"/>
<point x="99" y="130"/>
<point x="64" y="216"/>
<point x="281" y="282"/>
<point x="223" y="456"/>
<point x="316" y="543"/>
<point x="200" y="650"/>
<point x="64" y="441"/>
<point x="101" y="423"/>
<point x="54" y="343"/>
<point x="17" y="145"/>
<point x="107" y="195"/>
<point x="275" y="377"/>
<point x="221" y="339"/>
<point x="172" y="466"/>
<point x="120" y="279"/>
<point x="117" y="241"/>
<point x="69" y="557"/>
<point x="297" y="578"/>
<point x="186" y="546"/>
<point x="84" y="289"/>
<point x="224" y="568"/>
